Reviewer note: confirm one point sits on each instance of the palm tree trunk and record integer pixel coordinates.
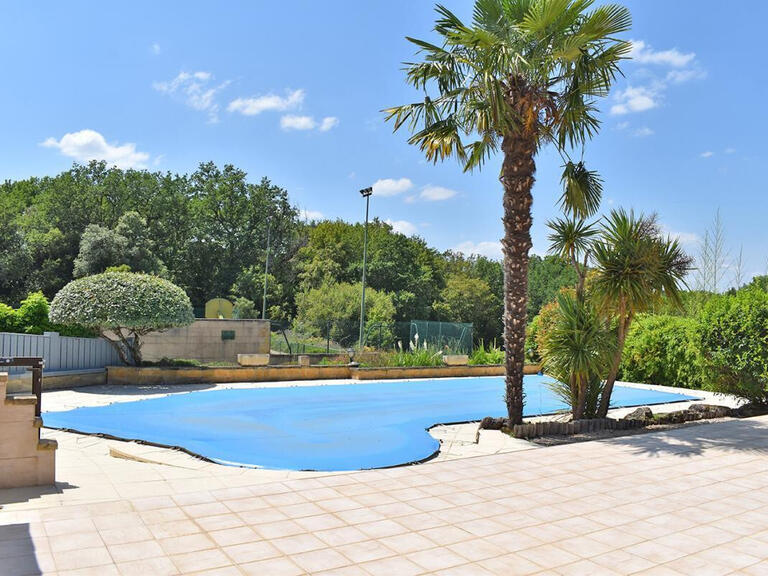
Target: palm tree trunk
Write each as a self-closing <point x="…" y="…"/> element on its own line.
<point x="517" y="177"/>
<point x="605" y="395"/>
<point x="581" y="398"/>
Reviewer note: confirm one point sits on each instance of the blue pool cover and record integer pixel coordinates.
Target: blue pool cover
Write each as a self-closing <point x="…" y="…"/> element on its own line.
<point x="340" y="427"/>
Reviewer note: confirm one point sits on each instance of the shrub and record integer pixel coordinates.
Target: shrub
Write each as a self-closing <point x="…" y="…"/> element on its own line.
<point x="416" y="357"/>
<point x="664" y="350"/>
<point x="32" y="315"/>
<point x="8" y="321"/>
<point x="484" y="356"/>
<point x="734" y="342"/>
<point x="123" y="307"/>
<point x="532" y="355"/>
<point x="244" y="309"/>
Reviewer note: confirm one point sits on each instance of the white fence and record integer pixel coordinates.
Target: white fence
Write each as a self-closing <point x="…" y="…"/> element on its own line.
<point x="61" y="353"/>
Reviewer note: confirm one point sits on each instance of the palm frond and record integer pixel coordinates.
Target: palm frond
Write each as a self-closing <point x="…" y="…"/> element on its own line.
<point x="582" y="190"/>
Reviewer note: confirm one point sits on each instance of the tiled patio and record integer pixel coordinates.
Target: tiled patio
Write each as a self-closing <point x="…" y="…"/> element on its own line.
<point x="688" y="501"/>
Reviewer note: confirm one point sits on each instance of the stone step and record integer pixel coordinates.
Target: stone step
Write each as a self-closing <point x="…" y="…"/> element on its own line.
<point x="20" y="399"/>
<point x="47" y="444"/>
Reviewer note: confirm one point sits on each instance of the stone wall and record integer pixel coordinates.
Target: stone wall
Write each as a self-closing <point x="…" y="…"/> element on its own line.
<point x="209" y="340"/>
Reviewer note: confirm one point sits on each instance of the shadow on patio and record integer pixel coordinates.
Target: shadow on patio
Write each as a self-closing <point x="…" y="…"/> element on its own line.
<point x="17" y="551"/>
<point x="16" y="495"/>
<point x="744" y="435"/>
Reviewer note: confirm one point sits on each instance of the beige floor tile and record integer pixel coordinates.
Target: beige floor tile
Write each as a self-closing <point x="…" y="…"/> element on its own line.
<point x="274" y="567"/>
<point x="82" y="558"/>
<point x="135" y="551"/>
<point x="433" y="560"/>
<point x="251" y="552"/>
<point x="297" y="544"/>
<point x="187" y="543"/>
<point x="200" y="560"/>
<point x="360" y="552"/>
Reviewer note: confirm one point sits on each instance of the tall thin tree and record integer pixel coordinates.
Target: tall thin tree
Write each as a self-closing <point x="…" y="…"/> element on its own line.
<point x="523" y="74"/>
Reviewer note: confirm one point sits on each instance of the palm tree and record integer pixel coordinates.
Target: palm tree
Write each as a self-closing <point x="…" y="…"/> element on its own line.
<point x="577" y="351"/>
<point x="635" y="267"/>
<point x="524" y="74"/>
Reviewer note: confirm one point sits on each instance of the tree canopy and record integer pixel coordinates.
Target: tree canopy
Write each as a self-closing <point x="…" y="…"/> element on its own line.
<point x="122" y="307"/>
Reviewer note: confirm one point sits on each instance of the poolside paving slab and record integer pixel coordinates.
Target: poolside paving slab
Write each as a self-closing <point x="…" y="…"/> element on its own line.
<point x="685" y="501"/>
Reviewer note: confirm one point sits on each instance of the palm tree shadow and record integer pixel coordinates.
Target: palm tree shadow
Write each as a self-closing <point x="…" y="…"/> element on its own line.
<point x="748" y="435"/>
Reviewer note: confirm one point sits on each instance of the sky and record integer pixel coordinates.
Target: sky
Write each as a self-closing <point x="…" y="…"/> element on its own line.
<point x="294" y="91"/>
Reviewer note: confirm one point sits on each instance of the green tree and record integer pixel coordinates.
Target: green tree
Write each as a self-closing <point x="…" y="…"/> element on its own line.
<point x="546" y="276"/>
<point x="634" y="267"/>
<point x="576" y="351"/>
<point x="466" y="299"/>
<point x="128" y="244"/>
<point x="122" y="307"/>
<point x="525" y="73"/>
<point x="403" y="266"/>
<point x="230" y="218"/>
<point x="334" y="310"/>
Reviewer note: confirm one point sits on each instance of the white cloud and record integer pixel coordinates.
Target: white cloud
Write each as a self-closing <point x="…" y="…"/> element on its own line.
<point x="436" y="193"/>
<point x="730" y="150"/>
<point x="687" y="239"/>
<point x="156" y="48"/>
<point x="328" y="123"/>
<point x="391" y="187"/>
<point x="648" y="93"/>
<point x="707" y="154"/>
<point x="310" y="215"/>
<point x="643" y="132"/>
<point x="644" y="54"/>
<point x="258" y="104"/>
<point x="290" y="122"/>
<point x="622" y="125"/>
<point x="195" y="90"/>
<point x="680" y="76"/>
<point x="487" y="249"/>
<point x="403" y="227"/>
<point x="635" y="99"/>
<point x="87" y="145"/>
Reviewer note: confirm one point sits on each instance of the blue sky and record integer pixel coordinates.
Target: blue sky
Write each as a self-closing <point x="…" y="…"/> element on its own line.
<point x="292" y="91"/>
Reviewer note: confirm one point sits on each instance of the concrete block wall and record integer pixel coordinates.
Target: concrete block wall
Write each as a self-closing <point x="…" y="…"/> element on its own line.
<point x="209" y="340"/>
<point x="25" y="459"/>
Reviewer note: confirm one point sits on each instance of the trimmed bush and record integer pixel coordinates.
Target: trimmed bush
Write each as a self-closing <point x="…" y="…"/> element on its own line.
<point x="734" y="341"/>
<point x="122" y="307"/>
<point x="664" y="350"/>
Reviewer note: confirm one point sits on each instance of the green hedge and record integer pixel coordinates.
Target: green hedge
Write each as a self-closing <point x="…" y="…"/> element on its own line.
<point x="734" y="340"/>
<point x="32" y="318"/>
<point x="664" y="350"/>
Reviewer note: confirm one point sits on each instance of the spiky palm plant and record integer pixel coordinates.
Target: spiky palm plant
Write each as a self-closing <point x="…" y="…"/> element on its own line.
<point x="577" y="351"/>
<point x="523" y="74"/>
<point x="636" y="266"/>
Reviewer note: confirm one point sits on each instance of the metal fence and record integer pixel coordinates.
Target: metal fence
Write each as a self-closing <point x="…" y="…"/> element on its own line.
<point x="336" y="336"/>
<point x="60" y="353"/>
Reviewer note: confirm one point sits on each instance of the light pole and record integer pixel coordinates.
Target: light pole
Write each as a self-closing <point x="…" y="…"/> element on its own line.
<point x="266" y="272"/>
<point x="365" y="193"/>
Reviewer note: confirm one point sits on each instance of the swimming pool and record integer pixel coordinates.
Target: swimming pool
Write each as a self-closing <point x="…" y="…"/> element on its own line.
<point x="339" y="427"/>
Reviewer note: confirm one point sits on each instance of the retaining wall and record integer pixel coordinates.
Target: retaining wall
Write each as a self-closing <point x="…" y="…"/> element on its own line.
<point x="153" y="375"/>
